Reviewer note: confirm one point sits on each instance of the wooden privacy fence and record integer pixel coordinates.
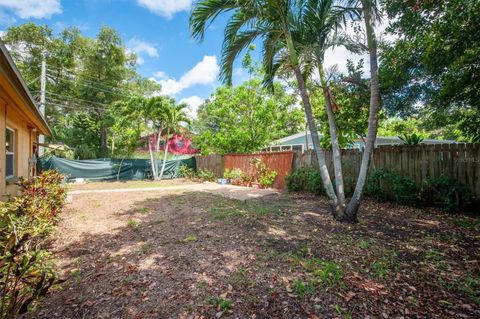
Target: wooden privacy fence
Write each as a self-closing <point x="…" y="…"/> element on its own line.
<point x="281" y="162"/>
<point x="212" y="163"/>
<point x="461" y="162"/>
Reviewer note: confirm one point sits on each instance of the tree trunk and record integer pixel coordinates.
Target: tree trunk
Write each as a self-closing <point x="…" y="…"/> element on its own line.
<point x="103" y="141"/>
<point x="336" y="155"/>
<point x="152" y="160"/>
<point x="352" y="209"/>
<point x="113" y="145"/>
<point x="164" y="158"/>
<point x="159" y="136"/>
<point x="327" y="183"/>
<point x="119" y="169"/>
<point x="306" y="137"/>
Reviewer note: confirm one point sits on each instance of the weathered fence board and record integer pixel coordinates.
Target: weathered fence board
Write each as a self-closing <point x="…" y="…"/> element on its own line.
<point x="281" y="162"/>
<point x="212" y="163"/>
<point x="458" y="161"/>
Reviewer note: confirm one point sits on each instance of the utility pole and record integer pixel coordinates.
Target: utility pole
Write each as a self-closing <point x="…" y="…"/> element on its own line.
<point x="43" y="84"/>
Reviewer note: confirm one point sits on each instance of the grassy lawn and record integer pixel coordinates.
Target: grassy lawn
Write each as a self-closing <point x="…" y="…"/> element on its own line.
<point x="182" y="254"/>
<point x="128" y="184"/>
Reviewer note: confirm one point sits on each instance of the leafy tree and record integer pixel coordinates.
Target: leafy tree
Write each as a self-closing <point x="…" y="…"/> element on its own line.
<point x="350" y="95"/>
<point x="245" y="118"/>
<point x="173" y="116"/>
<point x="105" y="62"/>
<point x="434" y="64"/>
<point x="85" y="76"/>
<point x="276" y="22"/>
<point x="398" y="126"/>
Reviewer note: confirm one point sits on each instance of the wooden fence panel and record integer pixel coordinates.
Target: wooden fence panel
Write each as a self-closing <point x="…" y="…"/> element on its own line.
<point x="212" y="163"/>
<point x="458" y="161"/>
<point x="281" y="162"/>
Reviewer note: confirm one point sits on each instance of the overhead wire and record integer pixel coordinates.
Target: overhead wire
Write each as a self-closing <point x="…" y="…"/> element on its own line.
<point x="76" y="98"/>
<point x="95" y="82"/>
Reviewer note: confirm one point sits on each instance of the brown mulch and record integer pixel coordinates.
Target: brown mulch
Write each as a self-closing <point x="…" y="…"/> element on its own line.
<point x="191" y="254"/>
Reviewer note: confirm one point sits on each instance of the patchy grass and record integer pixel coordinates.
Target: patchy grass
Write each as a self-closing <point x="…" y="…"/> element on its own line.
<point x="220" y="303"/>
<point x="133" y="224"/>
<point x="198" y="254"/>
<point x="146" y="248"/>
<point x="144" y="210"/>
<point x="190" y="239"/>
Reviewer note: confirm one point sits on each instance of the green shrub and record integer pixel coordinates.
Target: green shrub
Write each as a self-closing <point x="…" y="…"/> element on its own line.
<point x="267" y="178"/>
<point x="26" y="272"/>
<point x="234" y="174"/>
<point x="314" y="182"/>
<point x="446" y="193"/>
<point x="186" y="172"/>
<point x="304" y="179"/>
<point x="385" y="185"/>
<point x="205" y="175"/>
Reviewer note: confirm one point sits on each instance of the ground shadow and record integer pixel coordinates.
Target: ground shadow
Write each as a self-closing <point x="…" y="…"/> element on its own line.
<point x="190" y="253"/>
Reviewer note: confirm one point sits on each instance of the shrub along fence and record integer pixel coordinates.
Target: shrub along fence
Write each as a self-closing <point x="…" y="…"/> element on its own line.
<point x="420" y="163"/>
<point x="280" y="162"/>
<point x="213" y="163"/>
<point x="459" y="162"/>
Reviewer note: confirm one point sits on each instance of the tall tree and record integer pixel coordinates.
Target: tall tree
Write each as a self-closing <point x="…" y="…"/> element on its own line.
<point x="435" y="64"/>
<point x="276" y="22"/>
<point x="271" y="21"/>
<point x="369" y="10"/>
<point x="245" y="118"/>
<point x="105" y="63"/>
<point x="173" y="118"/>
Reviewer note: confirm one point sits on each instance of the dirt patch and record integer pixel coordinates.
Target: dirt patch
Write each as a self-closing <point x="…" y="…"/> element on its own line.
<point x="192" y="254"/>
<point x="128" y="184"/>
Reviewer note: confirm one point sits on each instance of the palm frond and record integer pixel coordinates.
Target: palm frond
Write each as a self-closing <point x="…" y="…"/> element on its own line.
<point x="205" y="12"/>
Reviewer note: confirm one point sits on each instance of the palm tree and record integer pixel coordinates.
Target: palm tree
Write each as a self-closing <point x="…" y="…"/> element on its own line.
<point x="172" y="118"/>
<point x="269" y="21"/>
<point x="370" y="13"/>
<point x="155" y="113"/>
<point x="319" y="28"/>
<point x="294" y="33"/>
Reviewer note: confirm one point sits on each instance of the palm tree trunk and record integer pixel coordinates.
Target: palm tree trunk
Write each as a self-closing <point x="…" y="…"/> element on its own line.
<point x="327" y="183"/>
<point x="336" y="155"/>
<point x="352" y="209"/>
<point x="164" y="158"/>
<point x="152" y="160"/>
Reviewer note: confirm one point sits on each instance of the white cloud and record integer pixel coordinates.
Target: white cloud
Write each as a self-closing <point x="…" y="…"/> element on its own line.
<point x="204" y="72"/>
<point x="160" y="75"/>
<point x="193" y="103"/>
<point x="166" y="8"/>
<point x="140" y="47"/>
<point x="339" y="55"/>
<point x="32" y="8"/>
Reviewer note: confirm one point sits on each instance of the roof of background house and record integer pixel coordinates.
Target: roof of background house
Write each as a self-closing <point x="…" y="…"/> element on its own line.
<point x="18" y="83"/>
<point x="299" y="139"/>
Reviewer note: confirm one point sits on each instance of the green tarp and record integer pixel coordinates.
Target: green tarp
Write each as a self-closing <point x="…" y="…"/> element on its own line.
<point x="109" y="169"/>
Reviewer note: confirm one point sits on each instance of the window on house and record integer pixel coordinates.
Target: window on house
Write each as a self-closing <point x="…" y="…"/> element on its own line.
<point x="10" y="148"/>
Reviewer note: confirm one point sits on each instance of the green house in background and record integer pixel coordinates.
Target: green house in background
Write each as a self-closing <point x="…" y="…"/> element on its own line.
<point x="303" y="141"/>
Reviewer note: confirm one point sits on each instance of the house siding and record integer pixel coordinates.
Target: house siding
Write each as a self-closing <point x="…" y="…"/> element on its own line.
<point x="25" y="136"/>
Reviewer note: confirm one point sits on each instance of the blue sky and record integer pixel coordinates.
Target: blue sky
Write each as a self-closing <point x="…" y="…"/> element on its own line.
<point x="157" y="30"/>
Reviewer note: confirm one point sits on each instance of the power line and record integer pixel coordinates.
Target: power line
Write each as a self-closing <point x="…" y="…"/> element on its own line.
<point x="97" y="88"/>
<point x="66" y="102"/>
<point x="71" y="74"/>
<point x="78" y="99"/>
<point x="74" y="107"/>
